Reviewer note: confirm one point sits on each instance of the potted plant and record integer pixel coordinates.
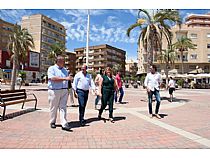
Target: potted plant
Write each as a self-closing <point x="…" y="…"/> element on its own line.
<point x="180" y="83"/>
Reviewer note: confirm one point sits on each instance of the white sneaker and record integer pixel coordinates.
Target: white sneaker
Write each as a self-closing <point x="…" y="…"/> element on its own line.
<point x="158" y="116"/>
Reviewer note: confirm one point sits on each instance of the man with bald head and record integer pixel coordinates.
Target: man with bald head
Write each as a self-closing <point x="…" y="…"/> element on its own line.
<point x="81" y="85"/>
<point x="58" y="92"/>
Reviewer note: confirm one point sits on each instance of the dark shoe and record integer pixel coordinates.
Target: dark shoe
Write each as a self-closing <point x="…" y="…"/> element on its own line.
<point x="111" y="120"/>
<point x="82" y="123"/>
<point x="99" y="117"/>
<point x="52" y="125"/>
<point x="66" y="128"/>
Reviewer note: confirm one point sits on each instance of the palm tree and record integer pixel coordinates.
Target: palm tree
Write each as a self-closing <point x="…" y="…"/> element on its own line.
<point x="20" y="42"/>
<point x="184" y="44"/>
<point x="57" y="48"/>
<point x="153" y="26"/>
<point x="167" y="56"/>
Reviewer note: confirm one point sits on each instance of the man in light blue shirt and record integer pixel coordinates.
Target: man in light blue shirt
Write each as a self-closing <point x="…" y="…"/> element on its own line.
<point x="58" y="92"/>
<point x="81" y="85"/>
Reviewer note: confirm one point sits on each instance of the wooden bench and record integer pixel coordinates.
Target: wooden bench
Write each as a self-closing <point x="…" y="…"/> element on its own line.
<point x="11" y="97"/>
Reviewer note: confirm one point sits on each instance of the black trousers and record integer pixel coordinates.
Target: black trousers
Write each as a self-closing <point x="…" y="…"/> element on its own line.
<point x="107" y="98"/>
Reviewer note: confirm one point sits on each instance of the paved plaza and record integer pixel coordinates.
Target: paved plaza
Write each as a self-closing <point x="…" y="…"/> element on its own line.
<point x="185" y="123"/>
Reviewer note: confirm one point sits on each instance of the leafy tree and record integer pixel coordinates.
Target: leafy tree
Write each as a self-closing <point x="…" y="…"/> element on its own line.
<point x="168" y="56"/>
<point x="20" y="42"/>
<point x="184" y="44"/>
<point x="57" y="48"/>
<point x="153" y="26"/>
<point x="116" y="68"/>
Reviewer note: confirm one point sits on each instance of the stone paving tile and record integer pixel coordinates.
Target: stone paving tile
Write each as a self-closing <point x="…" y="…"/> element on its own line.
<point x="193" y="117"/>
<point x="32" y="131"/>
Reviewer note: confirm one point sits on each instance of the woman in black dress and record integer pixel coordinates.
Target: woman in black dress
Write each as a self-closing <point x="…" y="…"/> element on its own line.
<point x="108" y="87"/>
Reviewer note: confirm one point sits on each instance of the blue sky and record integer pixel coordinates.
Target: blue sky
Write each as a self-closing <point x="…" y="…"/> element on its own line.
<point x="106" y="26"/>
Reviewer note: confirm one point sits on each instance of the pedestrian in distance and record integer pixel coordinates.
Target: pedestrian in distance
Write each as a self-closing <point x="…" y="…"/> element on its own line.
<point x="58" y="92"/>
<point x="152" y="85"/>
<point x="82" y="83"/>
<point x="71" y="91"/>
<point x="97" y="81"/>
<point x="108" y="87"/>
<point x="171" y="88"/>
<point x="120" y="88"/>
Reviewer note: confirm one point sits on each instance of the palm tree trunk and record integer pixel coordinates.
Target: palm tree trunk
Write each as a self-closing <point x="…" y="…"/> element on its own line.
<point x="150" y="56"/>
<point x="182" y="62"/>
<point x="166" y="72"/>
<point x="13" y="78"/>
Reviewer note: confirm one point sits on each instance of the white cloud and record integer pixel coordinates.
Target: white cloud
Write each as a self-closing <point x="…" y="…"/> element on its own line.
<point x="113" y="21"/>
<point x="133" y="12"/>
<point x="84" y="12"/>
<point x="112" y="31"/>
<point x="14" y="15"/>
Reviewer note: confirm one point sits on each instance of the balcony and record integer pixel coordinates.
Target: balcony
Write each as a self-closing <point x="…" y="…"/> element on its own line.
<point x="55" y="29"/>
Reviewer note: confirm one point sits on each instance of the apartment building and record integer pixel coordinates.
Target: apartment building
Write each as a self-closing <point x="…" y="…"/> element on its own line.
<point x="5" y="63"/>
<point x="5" y="30"/>
<point x="131" y="67"/>
<point x="45" y="32"/>
<point x="100" y="57"/>
<point x="197" y="28"/>
<point x="70" y="61"/>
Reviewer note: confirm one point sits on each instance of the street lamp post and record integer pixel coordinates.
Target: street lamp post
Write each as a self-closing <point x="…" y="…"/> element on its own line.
<point x="87" y="42"/>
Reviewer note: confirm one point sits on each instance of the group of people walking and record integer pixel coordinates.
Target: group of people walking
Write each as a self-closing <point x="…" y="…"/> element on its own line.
<point x="106" y="87"/>
<point x="59" y="82"/>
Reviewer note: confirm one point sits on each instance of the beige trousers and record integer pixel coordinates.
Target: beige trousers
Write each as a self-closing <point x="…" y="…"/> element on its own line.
<point x="58" y="100"/>
<point x="71" y="91"/>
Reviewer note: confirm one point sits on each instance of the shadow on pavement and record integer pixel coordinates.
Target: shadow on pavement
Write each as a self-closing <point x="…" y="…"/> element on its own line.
<point x="76" y="124"/>
<point x="38" y="89"/>
<point x="163" y="115"/>
<point x="175" y="99"/>
<point x="123" y="102"/>
<point x="18" y="113"/>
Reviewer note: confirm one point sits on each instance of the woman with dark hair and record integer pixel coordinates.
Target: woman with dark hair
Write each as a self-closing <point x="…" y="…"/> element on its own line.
<point x="108" y="87"/>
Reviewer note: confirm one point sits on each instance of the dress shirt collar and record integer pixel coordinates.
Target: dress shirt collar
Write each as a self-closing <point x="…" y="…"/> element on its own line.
<point x="60" y="68"/>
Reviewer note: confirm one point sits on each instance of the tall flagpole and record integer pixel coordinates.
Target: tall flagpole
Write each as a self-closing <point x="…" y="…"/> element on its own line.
<point x="87" y="42"/>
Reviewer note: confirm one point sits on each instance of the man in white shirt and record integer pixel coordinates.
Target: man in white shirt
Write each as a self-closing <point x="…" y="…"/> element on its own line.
<point x="81" y="85"/>
<point x="152" y="84"/>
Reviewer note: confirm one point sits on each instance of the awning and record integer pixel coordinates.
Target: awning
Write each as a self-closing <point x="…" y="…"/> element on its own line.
<point x="140" y="73"/>
<point x="173" y="72"/>
<point x="196" y="71"/>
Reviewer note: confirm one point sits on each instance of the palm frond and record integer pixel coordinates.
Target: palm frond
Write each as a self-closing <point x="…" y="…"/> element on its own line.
<point x="132" y="27"/>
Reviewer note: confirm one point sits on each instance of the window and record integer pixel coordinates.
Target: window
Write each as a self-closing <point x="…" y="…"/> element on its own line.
<point x="192" y="67"/>
<point x="208" y="46"/>
<point x="193" y="36"/>
<point x="208" y="56"/>
<point x="206" y="67"/>
<point x="208" y="35"/>
<point x="193" y="56"/>
<point x="176" y="66"/>
<point x="7" y="63"/>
